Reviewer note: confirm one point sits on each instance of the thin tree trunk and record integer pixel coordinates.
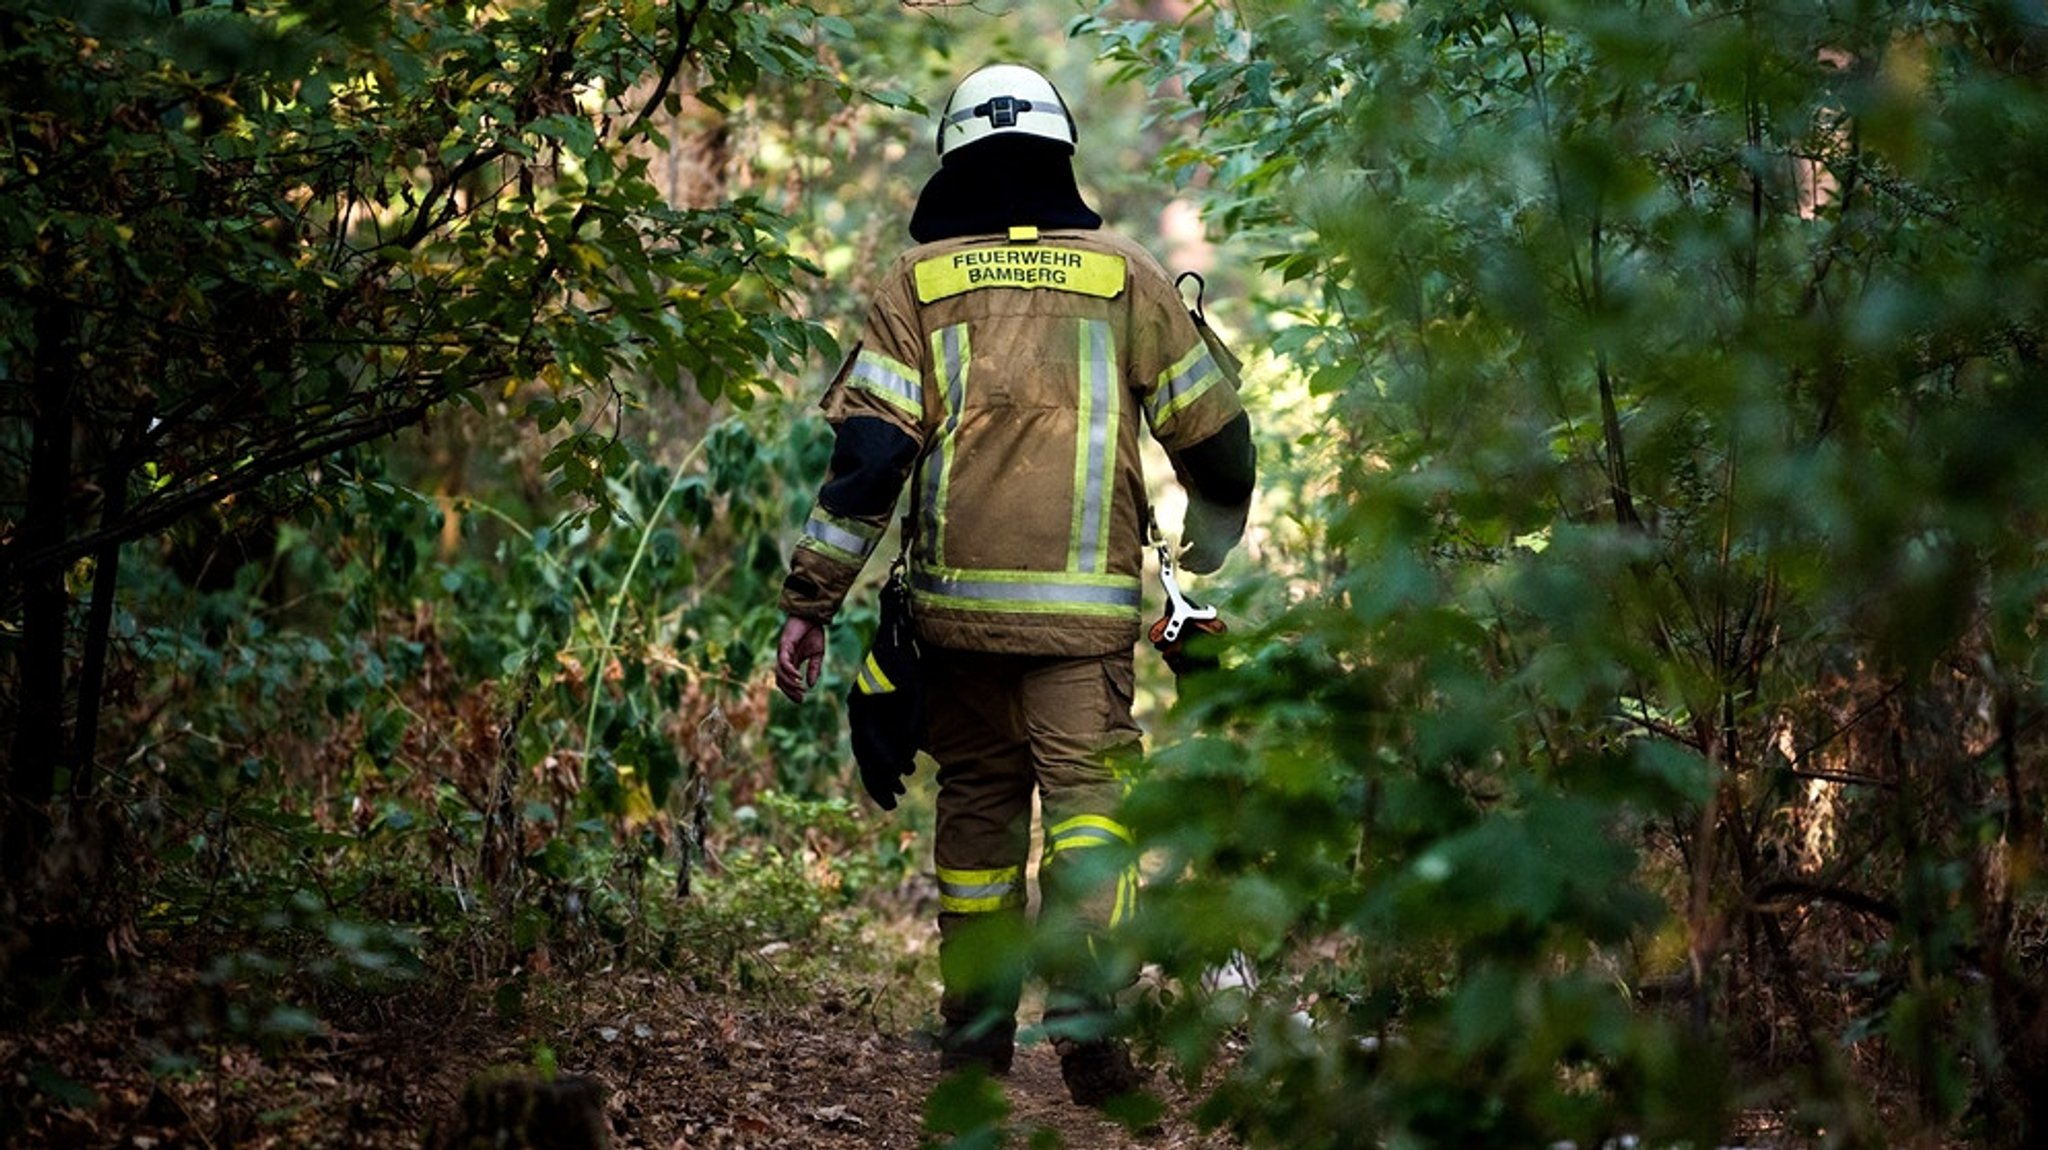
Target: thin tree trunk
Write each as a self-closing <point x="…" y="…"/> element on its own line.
<point x="92" y="663"/>
<point x="500" y="846"/>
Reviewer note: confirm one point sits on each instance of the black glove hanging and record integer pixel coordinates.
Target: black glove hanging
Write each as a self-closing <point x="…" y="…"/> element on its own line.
<point x="885" y="710"/>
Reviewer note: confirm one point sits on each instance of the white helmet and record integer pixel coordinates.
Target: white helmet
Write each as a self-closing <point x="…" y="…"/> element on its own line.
<point x="1004" y="98"/>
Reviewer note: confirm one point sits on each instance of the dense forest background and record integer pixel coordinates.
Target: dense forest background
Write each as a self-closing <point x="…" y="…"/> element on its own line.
<point x="1632" y="719"/>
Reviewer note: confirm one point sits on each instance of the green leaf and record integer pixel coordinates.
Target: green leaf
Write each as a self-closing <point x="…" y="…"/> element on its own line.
<point x="61" y="1089"/>
<point x="969" y="1106"/>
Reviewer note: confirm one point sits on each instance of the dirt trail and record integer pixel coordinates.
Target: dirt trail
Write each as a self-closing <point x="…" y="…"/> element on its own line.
<point x="705" y="1072"/>
<point x="681" y="1069"/>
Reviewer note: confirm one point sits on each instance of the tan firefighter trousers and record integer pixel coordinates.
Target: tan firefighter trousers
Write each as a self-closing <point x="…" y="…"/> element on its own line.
<point x="1003" y="725"/>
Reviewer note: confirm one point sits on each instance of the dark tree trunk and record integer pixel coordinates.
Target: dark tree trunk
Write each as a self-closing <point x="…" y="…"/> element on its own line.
<point x="45" y="604"/>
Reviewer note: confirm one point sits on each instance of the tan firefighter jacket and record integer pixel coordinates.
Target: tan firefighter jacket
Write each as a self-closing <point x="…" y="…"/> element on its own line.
<point x="1020" y="368"/>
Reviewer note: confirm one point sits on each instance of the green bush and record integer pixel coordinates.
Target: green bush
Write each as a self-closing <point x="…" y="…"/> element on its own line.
<point x="1666" y="624"/>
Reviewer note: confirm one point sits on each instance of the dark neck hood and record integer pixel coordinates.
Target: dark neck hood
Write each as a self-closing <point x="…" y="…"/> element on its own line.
<point x="999" y="183"/>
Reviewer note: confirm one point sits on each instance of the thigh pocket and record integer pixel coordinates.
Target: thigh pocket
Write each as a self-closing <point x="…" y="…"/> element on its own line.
<point x="1119" y="731"/>
<point x="1080" y="714"/>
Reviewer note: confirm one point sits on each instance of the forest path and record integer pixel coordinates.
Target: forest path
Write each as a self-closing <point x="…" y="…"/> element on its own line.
<point x="689" y="1070"/>
<point x="681" y="1069"/>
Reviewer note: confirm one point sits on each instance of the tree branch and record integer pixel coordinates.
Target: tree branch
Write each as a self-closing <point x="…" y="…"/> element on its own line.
<point x="16" y="566"/>
<point x="686" y="30"/>
<point x="1805" y="890"/>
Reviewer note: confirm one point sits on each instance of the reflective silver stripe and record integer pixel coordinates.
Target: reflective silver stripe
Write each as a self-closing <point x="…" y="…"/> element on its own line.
<point x="893" y="382"/>
<point x="980" y="891"/>
<point x="1092" y="453"/>
<point x="1182" y="384"/>
<point x="1032" y="591"/>
<point x="954" y="354"/>
<point x="854" y="540"/>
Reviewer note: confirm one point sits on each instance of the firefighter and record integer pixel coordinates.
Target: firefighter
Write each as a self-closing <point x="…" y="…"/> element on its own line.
<point x="1007" y="364"/>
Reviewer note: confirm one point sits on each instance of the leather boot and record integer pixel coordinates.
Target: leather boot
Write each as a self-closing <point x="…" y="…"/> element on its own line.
<point x="1095" y="1064"/>
<point x="985" y="1042"/>
<point x="984" y="979"/>
<point x="1098" y="1070"/>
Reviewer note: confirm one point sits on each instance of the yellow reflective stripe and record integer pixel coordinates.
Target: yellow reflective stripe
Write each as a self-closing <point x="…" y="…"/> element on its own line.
<point x="1091" y="822"/>
<point x="1181" y="385"/>
<point x="955" y="904"/>
<point x="980" y="891"/>
<point x="871" y="680"/>
<point x="990" y="876"/>
<point x="1029" y="592"/>
<point x="892" y="381"/>
<point x="1098" y="274"/>
<point x="1083" y="831"/>
<point x="1126" y="898"/>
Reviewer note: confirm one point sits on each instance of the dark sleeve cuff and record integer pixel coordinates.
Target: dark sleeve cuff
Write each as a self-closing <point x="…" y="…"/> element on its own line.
<point x="1223" y="468"/>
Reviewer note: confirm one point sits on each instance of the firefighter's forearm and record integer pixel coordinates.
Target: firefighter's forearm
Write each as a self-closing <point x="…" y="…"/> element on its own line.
<point x="871" y="457"/>
<point x="828" y="558"/>
<point x="1219" y="473"/>
<point x="816" y="585"/>
<point x="1222" y="469"/>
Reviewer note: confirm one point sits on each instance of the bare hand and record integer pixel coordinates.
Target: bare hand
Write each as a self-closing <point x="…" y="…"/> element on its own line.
<point x="800" y="657"/>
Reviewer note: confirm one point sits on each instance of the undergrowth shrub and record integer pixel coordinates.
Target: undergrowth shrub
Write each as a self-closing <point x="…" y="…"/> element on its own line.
<point x="361" y="709"/>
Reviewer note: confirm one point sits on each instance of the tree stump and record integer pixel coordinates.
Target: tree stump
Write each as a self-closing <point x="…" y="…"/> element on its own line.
<point x="520" y="1110"/>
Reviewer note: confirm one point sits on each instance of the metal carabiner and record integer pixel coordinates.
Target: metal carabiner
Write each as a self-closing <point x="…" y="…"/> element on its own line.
<point x="1180" y="611"/>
